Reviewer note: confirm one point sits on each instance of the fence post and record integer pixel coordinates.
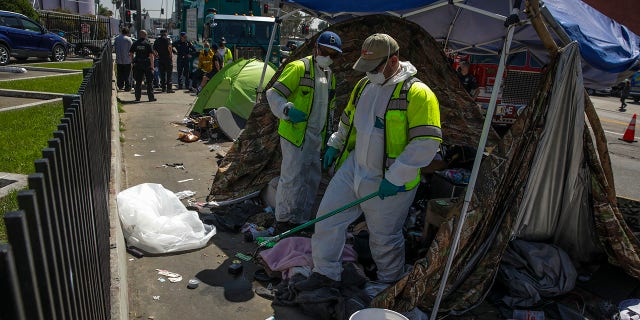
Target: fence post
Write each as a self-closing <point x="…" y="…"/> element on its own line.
<point x="11" y="306"/>
<point x="27" y="202"/>
<point x="18" y="236"/>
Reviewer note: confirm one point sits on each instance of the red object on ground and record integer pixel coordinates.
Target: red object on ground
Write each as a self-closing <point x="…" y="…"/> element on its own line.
<point x="629" y="134"/>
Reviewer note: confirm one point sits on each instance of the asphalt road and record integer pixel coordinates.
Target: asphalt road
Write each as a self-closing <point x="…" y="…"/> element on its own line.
<point x="625" y="157"/>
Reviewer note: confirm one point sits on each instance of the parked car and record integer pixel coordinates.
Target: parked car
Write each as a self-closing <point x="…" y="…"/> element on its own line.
<point x="599" y="92"/>
<point x="21" y="37"/>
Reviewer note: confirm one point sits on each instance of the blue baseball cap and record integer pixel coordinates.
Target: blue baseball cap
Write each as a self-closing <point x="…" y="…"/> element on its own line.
<point x="183" y="33"/>
<point x="330" y="40"/>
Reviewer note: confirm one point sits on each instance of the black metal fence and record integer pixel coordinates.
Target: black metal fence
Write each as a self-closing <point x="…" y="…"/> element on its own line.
<point x="56" y="263"/>
<point x="86" y="34"/>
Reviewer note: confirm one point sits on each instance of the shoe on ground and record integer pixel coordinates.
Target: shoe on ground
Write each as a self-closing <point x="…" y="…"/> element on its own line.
<point x="137" y="100"/>
<point x="179" y="87"/>
<point x="152" y="99"/>
<point x="170" y="91"/>
<point x="315" y="282"/>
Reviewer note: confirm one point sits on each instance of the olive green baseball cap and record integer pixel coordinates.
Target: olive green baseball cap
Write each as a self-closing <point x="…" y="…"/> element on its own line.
<point x="375" y="49"/>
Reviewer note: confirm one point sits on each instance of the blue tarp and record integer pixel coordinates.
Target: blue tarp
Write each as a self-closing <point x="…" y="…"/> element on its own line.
<point x="607" y="48"/>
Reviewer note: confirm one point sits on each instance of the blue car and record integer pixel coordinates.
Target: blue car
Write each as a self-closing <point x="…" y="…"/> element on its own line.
<point x="22" y="38"/>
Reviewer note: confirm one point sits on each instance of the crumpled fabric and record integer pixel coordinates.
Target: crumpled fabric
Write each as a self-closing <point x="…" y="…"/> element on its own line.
<point x="296" y="252"/>
<point x="231" y="218"/>
<point x="326" y="303"/>
<point x="532" y="271"/>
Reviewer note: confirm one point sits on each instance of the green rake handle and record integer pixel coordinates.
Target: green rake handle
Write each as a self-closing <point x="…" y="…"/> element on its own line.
<point x="266" y="240"/>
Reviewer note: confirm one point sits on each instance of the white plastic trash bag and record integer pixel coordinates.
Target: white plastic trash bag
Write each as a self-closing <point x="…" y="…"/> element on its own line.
<point x="154" y="220"/>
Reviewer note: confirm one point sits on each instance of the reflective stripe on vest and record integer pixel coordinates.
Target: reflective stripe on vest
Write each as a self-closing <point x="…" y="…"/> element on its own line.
<point x="397" y="135"/>
<point x="396" y="127"/>
<point x="295" y="132"/>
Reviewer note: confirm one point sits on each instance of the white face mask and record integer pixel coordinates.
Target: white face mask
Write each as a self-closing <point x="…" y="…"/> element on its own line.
<point x="376" y="78"/>
<point x="323" y="61"/>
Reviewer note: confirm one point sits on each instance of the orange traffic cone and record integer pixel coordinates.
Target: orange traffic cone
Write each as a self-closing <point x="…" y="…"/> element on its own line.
<point x="629" y="135"/>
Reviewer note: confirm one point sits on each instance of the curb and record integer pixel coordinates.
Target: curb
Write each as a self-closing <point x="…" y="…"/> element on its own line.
<point x="48" y="69"/>
<point x="29" y="105"/>
<point x="118" y="260"/>
<point x="30" y="94"/>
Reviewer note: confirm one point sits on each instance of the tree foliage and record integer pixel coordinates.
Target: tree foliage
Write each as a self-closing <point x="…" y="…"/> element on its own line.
<point x="20" y="6"/>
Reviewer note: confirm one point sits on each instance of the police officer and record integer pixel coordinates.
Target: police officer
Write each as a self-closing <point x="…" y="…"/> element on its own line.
<point x="163" y="48"/>
<point x="141" y="54"/>
<point x="185" y="50"/>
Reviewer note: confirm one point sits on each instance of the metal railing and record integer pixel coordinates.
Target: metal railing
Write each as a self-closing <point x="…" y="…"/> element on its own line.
<point x="86" y="34"/>
<point x="56" y="263"/>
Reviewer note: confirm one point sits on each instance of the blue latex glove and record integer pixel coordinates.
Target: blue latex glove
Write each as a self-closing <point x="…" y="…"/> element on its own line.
<point x="329" y="156"/>
<point x="388" y="189"/>
<point x="296" y="115"/>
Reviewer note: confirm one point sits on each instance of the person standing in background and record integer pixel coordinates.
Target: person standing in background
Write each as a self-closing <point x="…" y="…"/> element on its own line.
<point x="185" y="50"/>
<point x="142" y="56"/>
<point x="225" y="52"/>
<point x="122" y="46"/>
<point x="163" y="49"/>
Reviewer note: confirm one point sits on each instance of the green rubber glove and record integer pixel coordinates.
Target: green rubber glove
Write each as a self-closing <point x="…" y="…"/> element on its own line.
<point x="296" y="115"/>
<point x="329" y="156"/>
<point x="388" y="189"/>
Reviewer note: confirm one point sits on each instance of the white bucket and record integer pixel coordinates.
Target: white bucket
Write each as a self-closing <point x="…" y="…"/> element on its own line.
<point x="377" y="314"/>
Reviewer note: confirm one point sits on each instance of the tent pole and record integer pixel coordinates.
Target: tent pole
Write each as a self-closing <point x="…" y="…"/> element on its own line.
<point x="276" y="25"/>
<point x="476" y="166"/>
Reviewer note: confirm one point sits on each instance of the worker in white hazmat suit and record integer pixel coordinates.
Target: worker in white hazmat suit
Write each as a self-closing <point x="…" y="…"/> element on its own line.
<point x="388" y="131"/>
<point x="301" y="98"/>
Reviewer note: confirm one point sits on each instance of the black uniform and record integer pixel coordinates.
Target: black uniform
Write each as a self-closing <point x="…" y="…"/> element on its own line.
<point x="184" y="49"/>
<point x="142" y="67"/>
<point x="162" y="46"/>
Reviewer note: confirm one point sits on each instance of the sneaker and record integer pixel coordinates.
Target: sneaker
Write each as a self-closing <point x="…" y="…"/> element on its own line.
<point x="152" y="99"/>
<point x="315" y="282"/>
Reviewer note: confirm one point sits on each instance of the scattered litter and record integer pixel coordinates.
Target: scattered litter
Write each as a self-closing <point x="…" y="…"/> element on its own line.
<point x="152" y="151"/>
<point x="151" y="318"/>
<point x="252" y="231"/>
<point x="156" y="297"/>
<point x="143" y="139"/>
<point x="214" y="147"/>
<point x="137" y="155"/>
<point x="193" y="283"/>
<point x="243" y="257"/>
<point x="135" y="252"/>
<point x="172" y="276"/>
<point x="185" y="180"/>
<point x="131" y="259"/>
<point x="177" y="165"/>
<point x="185" y="194"/>
<point x="161" y="279"/>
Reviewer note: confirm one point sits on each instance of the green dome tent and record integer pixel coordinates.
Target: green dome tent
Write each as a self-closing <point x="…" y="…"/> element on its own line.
<point x="234" y="87"/>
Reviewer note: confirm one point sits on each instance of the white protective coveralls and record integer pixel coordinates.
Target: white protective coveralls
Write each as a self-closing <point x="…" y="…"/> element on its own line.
<point x="360" y="175"/>
<point x="300" y="171"/>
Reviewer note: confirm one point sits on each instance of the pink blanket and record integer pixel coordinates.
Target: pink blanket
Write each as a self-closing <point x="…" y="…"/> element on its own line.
<point x="296" y="252"/>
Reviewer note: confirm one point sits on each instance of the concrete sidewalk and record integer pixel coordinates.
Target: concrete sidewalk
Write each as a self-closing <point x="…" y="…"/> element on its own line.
<point x="148" y="142"/>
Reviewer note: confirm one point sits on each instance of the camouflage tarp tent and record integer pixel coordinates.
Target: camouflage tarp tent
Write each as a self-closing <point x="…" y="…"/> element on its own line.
<point x="255" y="159"/>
